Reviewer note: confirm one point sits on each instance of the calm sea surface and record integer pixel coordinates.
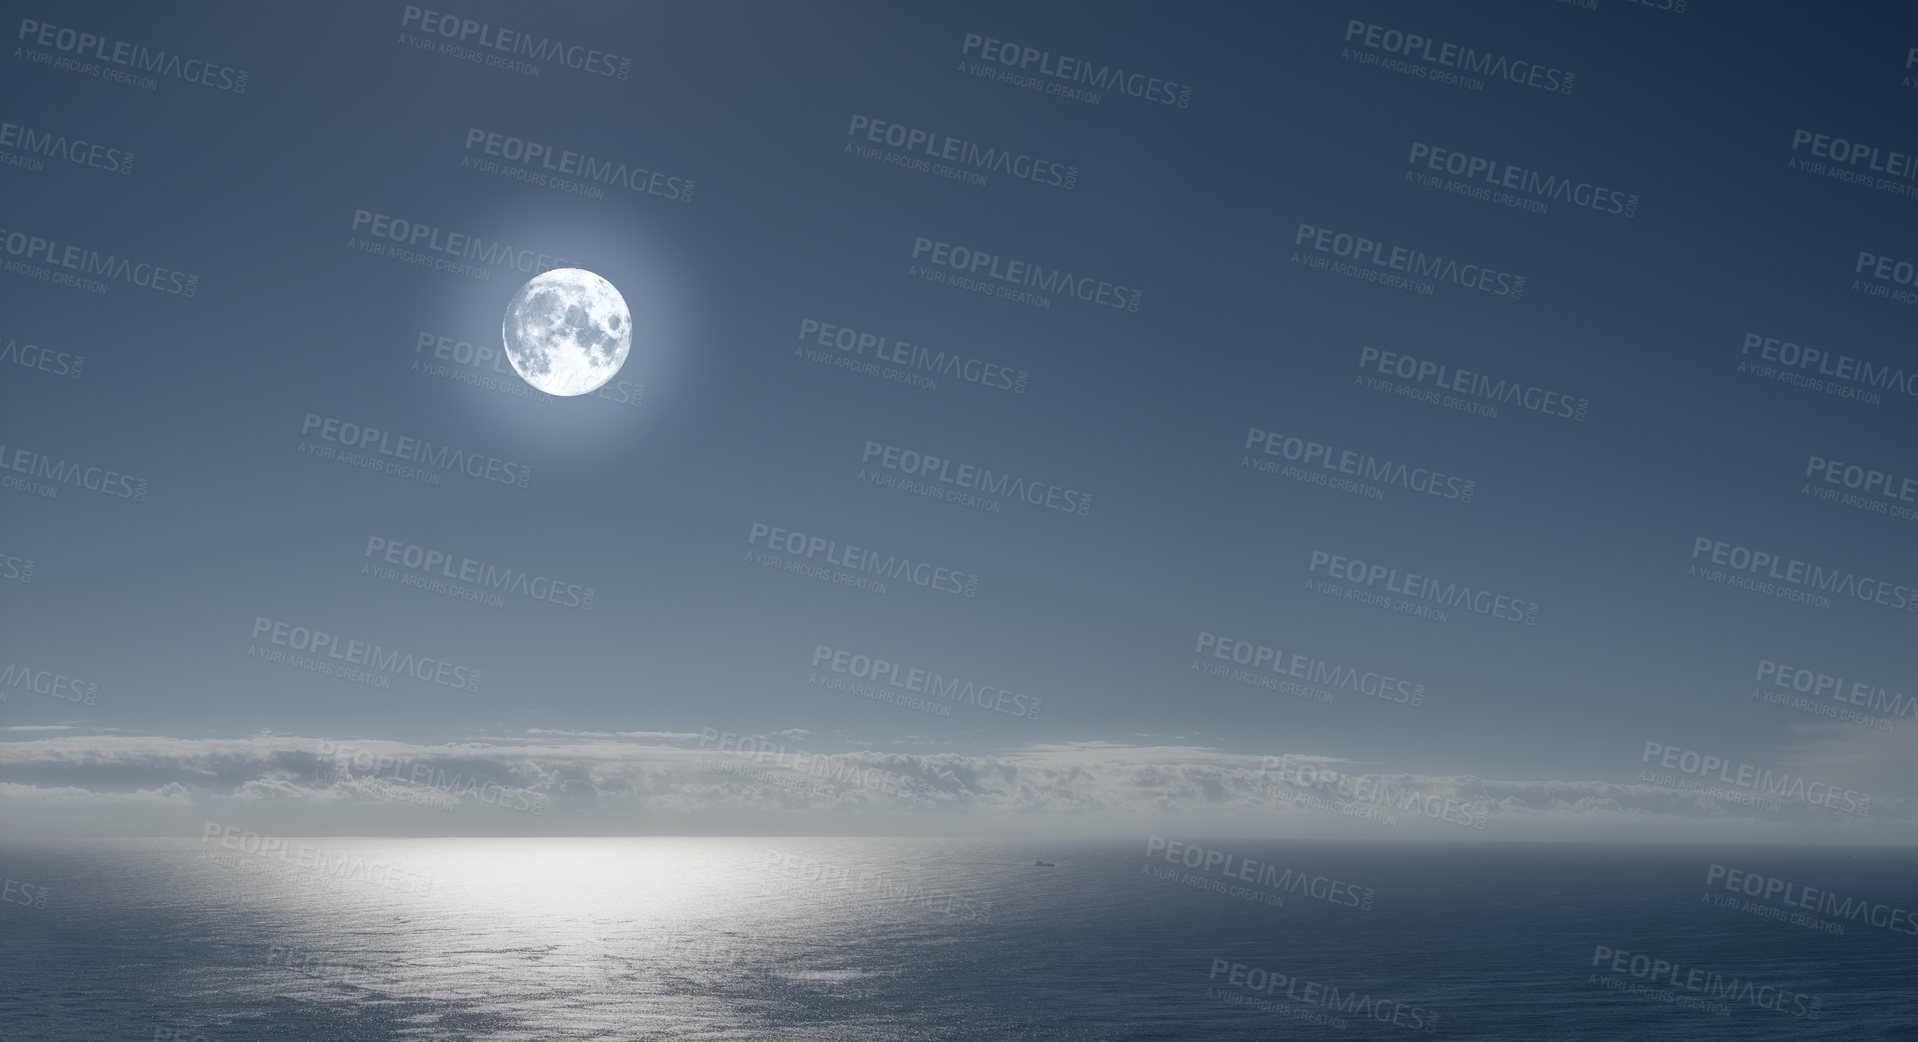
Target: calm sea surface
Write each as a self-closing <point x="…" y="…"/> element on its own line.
<point x="734" y="939"/>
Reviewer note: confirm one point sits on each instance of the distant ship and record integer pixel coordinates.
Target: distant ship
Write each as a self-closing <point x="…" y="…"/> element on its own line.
<point x="1044" y="864"/>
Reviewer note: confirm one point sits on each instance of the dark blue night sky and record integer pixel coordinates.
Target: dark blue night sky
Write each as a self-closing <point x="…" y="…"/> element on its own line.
<point x="1527" y="355"/>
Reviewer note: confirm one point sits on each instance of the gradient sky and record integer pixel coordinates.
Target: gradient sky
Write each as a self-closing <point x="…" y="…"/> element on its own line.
<point x="651" y="505"/>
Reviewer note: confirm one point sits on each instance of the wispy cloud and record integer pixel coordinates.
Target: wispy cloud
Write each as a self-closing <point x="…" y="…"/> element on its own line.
<point x="640" y="781"/>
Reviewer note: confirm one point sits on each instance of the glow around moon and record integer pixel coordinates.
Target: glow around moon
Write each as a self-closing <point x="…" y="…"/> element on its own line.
<point x="567" y="331"/>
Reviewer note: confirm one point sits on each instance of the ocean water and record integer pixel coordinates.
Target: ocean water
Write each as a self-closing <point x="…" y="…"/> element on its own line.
<point x="249" y="938"/>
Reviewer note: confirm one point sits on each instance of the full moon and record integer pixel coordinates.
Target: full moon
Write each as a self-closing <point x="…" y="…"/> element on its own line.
<point x="567" y="331"/>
